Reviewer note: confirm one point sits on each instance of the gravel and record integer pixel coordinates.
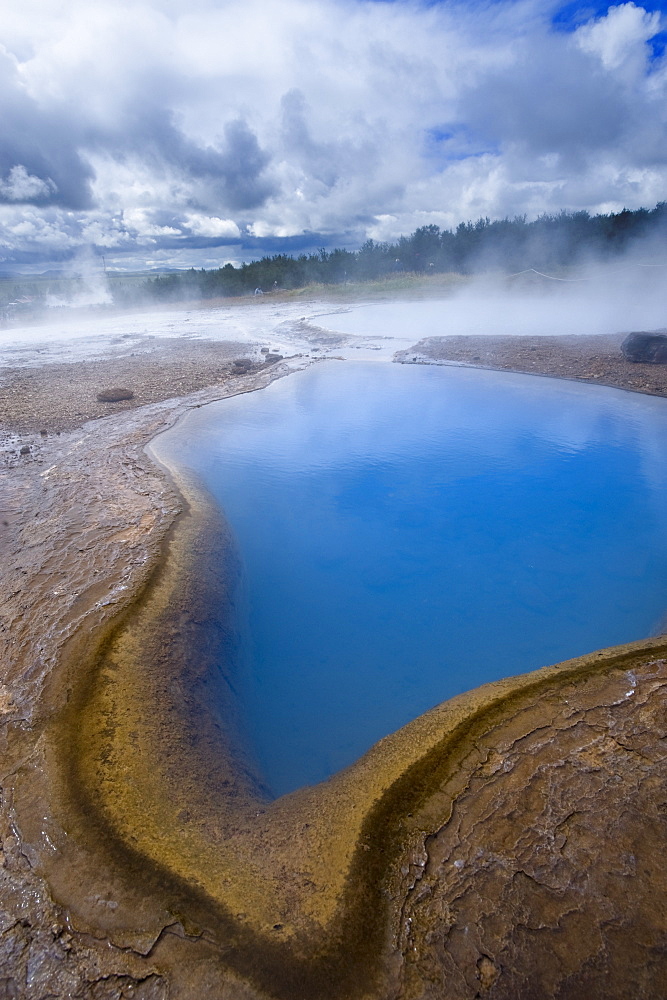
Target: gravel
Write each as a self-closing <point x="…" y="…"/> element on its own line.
<point x="595" y="359"/>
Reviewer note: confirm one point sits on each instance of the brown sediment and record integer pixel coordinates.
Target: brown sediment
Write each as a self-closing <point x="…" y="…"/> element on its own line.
<point x="176" y="872"/>
<point x="305" y="889"/>
<point x="595" y="359"/>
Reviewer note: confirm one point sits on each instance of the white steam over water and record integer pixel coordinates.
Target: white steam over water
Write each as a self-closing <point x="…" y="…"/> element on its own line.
<point x="606" y="301"/>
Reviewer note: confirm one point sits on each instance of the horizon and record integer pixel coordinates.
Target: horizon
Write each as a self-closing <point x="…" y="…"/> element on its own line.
<point x="88" y="262"/>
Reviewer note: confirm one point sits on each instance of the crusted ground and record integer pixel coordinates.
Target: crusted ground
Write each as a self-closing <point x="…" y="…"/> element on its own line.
<point x="595" y="359"/>
<point x="547" y="879"/>
<point x="530" y="868"/>
<point x="63" y="396"/>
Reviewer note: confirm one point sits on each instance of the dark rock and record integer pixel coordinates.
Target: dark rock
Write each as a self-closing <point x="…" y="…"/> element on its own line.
<point x="243" y="363"/>
<point x="114" y="395"/>
<point x="264" y="350"/>
<point x="25" y="450"/>
<point x="273" y="357"/>
<point x="647" y="347"/>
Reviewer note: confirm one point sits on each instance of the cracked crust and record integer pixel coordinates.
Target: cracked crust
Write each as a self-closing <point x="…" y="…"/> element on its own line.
<point x="507" y="844"/>
<point x="547" y="878"/>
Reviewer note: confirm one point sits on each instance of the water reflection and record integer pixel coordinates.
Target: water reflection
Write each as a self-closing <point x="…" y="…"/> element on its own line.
<point x="409" y="533"/>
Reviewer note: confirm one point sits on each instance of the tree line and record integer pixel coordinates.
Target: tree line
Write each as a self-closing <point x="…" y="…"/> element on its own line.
<point x="549" y="242"/>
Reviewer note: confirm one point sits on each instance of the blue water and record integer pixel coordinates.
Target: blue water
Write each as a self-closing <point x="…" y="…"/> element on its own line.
<point x="410" y="532"/>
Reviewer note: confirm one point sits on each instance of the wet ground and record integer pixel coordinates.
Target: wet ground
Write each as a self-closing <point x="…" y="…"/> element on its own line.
<point x="537" y="820"/>
<point x="595" y="359"/>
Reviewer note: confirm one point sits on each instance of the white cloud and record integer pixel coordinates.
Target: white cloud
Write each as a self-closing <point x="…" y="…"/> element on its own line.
<point x="138" y="222"/>
<point x="201" y="225"/>
<point x="620" y="35"/>
<point x="19" y="185"/>
<point x="150" y="122"/>
<point x="27" y="226"/>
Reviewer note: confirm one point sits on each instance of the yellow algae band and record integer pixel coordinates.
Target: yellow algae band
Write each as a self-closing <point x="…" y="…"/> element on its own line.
<point x="302" y="895"/>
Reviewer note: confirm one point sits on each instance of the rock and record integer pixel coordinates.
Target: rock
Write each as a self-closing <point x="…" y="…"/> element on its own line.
<point x="264" y="350"/>
<point x="273" y="357"/>
<point x="647" y="347"/>
<point x="25" y="450"/>
<point x="114" y="395"/>
<point x="243" y="363"/>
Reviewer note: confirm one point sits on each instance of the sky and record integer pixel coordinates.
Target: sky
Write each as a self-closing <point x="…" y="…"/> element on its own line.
<point x="169" y="134"/>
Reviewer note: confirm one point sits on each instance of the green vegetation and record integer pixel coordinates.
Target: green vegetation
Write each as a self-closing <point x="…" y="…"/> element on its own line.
<point x="554" y="242"/>
<point x="429" y="261"/>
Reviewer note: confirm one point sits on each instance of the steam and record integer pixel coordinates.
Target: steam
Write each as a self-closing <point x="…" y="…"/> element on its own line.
<point x="590" y="299"/>
<point x="85" y="283"/>
<point x="597" y="299"/>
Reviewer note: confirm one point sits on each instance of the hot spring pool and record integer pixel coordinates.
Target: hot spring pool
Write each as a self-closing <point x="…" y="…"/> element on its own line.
<point x="408" y="533"/>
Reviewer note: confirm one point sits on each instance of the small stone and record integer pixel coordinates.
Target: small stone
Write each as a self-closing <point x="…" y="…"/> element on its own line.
<point x="114" y="395"/>
<point x="25" y="450"/>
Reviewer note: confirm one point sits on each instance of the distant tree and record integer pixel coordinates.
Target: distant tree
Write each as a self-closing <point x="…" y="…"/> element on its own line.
<point x="373" y="260"/>
<point x="550" y="241"/>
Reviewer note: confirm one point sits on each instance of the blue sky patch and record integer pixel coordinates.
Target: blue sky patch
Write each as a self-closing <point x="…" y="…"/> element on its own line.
<point x="448" y="143"/>
<point x="658" y="44"/>
<point x="572" y="15"/>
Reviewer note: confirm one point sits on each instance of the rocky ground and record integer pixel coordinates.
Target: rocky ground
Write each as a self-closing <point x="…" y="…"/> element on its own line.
<point x="587" y="359"/>
<point x="534" y="863"/>
<point x="60" y="397"/>
<point x="83" y="515"/>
